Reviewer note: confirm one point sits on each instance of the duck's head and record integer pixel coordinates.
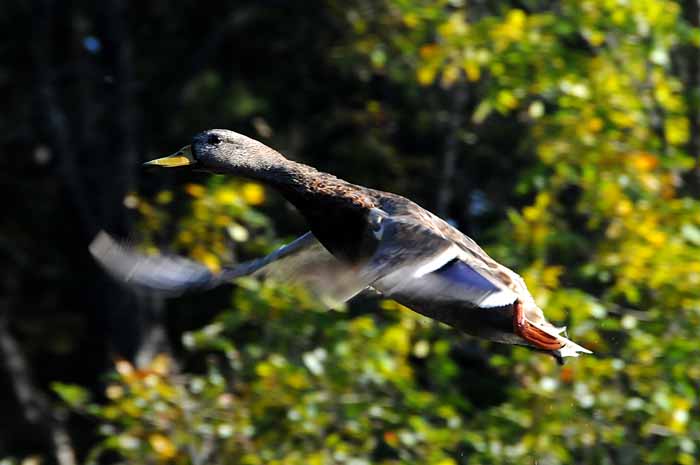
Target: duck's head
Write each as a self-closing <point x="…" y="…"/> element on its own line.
<point x="223" y="151"/>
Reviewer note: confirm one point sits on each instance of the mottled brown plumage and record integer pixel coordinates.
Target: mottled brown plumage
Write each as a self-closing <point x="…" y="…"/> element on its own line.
<point x="336" y="210"/>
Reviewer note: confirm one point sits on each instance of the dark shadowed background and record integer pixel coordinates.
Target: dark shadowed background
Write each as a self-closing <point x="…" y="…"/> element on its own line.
<point x="562" y="136"/>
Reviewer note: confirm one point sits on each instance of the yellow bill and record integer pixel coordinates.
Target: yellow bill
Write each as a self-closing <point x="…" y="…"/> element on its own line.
<point x="180" y="158"/>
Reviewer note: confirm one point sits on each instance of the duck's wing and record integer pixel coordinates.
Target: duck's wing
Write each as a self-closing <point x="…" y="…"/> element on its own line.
<point x="412" y="259"/>
<point x="303" y="261"/>
<point x="166" y="275"/>
<point x="424" y="265"/>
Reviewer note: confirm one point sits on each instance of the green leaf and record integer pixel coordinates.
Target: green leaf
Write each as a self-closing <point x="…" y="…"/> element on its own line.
<point x="74" y="395"/>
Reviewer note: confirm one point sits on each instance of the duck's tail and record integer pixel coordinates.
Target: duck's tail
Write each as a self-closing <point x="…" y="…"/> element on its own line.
<point x="544" y="336"/>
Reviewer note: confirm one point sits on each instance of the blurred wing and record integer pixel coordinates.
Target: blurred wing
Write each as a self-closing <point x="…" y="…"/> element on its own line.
<point x="312" y="266"/>
<point x="304" y="261"/>
<point x="166" y="275"/>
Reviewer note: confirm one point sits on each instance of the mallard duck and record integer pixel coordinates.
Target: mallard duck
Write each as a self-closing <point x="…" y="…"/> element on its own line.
<point x="359" y="239"/>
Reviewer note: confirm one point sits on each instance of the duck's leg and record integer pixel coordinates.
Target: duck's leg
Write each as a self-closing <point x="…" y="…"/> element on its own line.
<point x="532" y="333"/>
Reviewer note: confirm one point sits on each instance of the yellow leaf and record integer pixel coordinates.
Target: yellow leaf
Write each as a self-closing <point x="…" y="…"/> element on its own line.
<point x="195" y="190"/>
<point x="622" y="119"/>
<point x="391" y="438"/>
<point x="472" y="70"/>
<point x="162" y="446"/>
<point x="428" y="51"/>
<point x="624" y="207"/>
<point x="212" y="262"/>
<point x="209" y="260"/>
<point x="397" y="338"/>
<point x="595" y="124"/>
<point x="656" y="237"/>
<point x="531" y="213"/>
<point x="222" y="220"/>
<point x="130" y="408"/>
<point x="511" y="30"/>
<point x="264" y="369"/>
<point x="225" y="196"/>
<point x="426" y="75"/>
<point x="446" y="461"/>
<point x="297" y="381"/>
<point x="644" y="161"/>
<point x="411" y="20"/>
<point x="374" y="107"/>
<point x="114" y="391"/>
<point x="390" y="305"/>
<point x="596" y="38"/>
<point x="677" y="130"/>
<point x="507" y="99"/>
<point x="450" y="75"/>
<point x="679" y="419"/>
<point x="124" y="368"/>
<point x="164" y="197"/>
<point x="161" y="364"/>
<point x="166" y="391"/>
<point x="455" y="25"/>
<point x="253" y="193"/>
<point x="619" y="16"/>
<point x="516" y="18"/>
<point x="200" y="211"/>
<point x="185" y="237"/>
<point x="550" y="276"/>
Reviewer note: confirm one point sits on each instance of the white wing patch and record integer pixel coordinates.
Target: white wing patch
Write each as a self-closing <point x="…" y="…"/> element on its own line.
<point x="498" y="299"/>
<point x="437" y="262"/>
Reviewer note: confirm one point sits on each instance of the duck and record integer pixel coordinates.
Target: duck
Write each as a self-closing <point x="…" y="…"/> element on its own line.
<point x="359" y="239"/>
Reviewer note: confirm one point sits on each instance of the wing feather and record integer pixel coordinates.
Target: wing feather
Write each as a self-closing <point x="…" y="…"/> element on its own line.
<point x="303" y="261"/>
<point x="415" y="263"/>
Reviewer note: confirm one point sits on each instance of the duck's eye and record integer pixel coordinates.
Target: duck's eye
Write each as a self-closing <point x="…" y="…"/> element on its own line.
<point x="213" y="139"/>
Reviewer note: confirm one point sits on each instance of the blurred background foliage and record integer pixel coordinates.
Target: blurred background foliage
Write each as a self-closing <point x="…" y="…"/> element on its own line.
<point x="564" y="136"/>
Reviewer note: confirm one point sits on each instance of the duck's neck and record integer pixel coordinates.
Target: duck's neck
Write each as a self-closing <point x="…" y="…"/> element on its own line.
<point x="302" y="184"/>
<point x="335" y="209"/>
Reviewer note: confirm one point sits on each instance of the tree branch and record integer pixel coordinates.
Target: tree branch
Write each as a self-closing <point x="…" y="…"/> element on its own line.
<point x="36" y="407"/>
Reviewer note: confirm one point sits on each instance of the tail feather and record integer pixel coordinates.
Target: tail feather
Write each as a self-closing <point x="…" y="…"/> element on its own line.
<point x="568" y="347"/>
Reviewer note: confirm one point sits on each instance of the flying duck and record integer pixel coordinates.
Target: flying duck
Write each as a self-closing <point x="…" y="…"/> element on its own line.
<point x="359" y="238"/>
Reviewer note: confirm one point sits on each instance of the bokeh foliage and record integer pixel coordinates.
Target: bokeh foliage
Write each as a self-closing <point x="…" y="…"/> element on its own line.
<point x="593" y="198"/>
